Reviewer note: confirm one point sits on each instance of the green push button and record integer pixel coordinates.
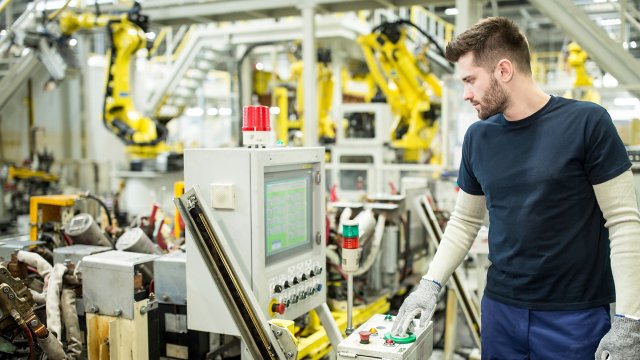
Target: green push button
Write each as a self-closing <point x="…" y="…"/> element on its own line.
<point x="409" y="338"/>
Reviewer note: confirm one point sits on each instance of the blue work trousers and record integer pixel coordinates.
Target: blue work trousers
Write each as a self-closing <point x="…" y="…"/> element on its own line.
<point x="513" y="333"/>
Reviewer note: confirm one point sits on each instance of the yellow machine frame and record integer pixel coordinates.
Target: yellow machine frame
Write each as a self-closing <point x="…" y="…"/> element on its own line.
<point x="47" y="208"/>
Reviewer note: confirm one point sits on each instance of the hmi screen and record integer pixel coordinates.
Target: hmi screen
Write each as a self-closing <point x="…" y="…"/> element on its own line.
<point x="288" y="214"/>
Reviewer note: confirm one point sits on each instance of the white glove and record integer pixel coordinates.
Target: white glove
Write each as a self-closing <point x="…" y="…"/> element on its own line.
<point x="622" y="341"/>
<point x="422" y="301"/>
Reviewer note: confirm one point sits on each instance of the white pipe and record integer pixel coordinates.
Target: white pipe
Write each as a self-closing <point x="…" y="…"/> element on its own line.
<point x="366" y="224"/>
<point x="332" y="255"/>
<point x="35" y="260"/>
<point x="375" y="249"/>
<point x="54" y="322"/>
<point x="344" y="216"/>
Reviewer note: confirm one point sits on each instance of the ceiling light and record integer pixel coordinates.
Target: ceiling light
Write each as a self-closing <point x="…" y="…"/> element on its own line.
<point x="259" y="66"/>
<point x="212" y="111"/>
<point x="195" y="112"/>
<point x="633" y="44"/>
<point x="451" y="11"/>
<point x="609" y="81"/>
<point x="609" y="22"/>
<point x="3" y="32"/>
<point x="626" y="101"/>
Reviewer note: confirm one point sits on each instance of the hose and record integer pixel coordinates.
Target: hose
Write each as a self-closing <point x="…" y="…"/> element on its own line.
<point x="375" y="249"/>
<point x="409" y="23"/>
<point x="366" y="226"/>
<point x="71" y="323"/>
<point x="246" y="53"/>
<point x="39" y="298"/>
<point x="88" y="195"/>
<point x="53" y="300"/>
<point x="344" y="216"/>
<point x="38" y="262"/>
<point x="55" y="14"/>
<point x="52" y="347"/>
<point x="332" y="255"/>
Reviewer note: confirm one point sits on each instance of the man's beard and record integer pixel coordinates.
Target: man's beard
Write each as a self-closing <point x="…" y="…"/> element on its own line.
<point x="495" y="100"/>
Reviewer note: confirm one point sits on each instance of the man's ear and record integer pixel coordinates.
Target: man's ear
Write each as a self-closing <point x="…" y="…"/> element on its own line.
<point x="504" y="70"/>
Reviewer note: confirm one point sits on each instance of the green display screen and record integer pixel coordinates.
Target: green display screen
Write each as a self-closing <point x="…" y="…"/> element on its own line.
<point x="287" y="212"/>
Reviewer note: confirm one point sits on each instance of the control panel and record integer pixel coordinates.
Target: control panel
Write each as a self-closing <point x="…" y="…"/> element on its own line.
<point x="270" y="205"/>
<point x="373" y="340"/>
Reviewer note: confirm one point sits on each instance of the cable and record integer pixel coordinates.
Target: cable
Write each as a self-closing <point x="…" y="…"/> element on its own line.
<point x="88" y="195"/>
<point x="409" y="23"/>
<point x="29" y="336"/>
<point x="239" y="68"/>
<point x="55" y="14"/>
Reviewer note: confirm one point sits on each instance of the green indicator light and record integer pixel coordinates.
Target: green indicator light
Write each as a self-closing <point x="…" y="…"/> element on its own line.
<point x="350" y="229"/>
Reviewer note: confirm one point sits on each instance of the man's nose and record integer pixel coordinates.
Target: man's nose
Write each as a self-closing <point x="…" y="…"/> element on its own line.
<point x="467" y="95"/>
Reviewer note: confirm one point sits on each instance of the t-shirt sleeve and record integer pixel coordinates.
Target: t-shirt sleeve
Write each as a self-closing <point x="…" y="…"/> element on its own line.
<point x="467" y="180"/>
<point x="605" y="154"/>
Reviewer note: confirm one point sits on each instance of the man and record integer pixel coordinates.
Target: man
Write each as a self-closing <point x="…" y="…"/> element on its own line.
<point x="564" y="222"/>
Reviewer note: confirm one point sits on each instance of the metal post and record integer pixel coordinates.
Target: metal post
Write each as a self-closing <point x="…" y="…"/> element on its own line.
<point x="349" y="329"/>
<point x="309" y="76"/>
<point x="623" y="22"/>
<point x="469" y="12"/>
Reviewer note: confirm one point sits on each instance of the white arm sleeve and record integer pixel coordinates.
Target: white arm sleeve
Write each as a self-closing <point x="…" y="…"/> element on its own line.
<point x="462" y="229"/>
<point x="617" y="200"/>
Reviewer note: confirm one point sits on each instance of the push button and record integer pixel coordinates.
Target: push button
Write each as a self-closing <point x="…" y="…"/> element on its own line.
<point x="278" y="308"/>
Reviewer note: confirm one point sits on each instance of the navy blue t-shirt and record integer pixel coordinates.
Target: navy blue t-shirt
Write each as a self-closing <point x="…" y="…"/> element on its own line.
<point x="547" y="241"/>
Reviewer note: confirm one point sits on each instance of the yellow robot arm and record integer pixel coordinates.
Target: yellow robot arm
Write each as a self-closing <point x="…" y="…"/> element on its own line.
<point x="143" y="136"/>
<point x="406" y="86"/>
<point x="583" y="84"/>
<point x="324" y="93"/>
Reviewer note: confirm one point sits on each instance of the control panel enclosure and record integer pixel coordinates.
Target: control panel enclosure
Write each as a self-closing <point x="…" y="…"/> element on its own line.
<point x="270" y="205"/>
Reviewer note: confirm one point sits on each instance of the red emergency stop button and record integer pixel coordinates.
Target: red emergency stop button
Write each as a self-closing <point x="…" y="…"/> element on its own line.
<point x="278" y="308"/>
<point x="364" y="336"/>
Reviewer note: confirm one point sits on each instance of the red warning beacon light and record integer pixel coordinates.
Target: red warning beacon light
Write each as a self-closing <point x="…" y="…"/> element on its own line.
<point x="256" y="126"/>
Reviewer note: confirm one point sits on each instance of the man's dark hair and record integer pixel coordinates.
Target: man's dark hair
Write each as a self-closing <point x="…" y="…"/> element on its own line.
<point x="491" y="40"/>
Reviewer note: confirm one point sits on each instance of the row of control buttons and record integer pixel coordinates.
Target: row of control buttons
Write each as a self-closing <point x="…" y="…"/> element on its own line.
<point x="301" y="295"/>
<point x="278" y="288"/>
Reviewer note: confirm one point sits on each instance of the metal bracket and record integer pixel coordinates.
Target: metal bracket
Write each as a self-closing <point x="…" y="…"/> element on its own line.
<point x="285" y="340"/>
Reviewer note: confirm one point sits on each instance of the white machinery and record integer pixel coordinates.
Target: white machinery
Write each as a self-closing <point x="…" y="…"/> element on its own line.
<point x="373" y="341"/>
<point x="270" y="205"/>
